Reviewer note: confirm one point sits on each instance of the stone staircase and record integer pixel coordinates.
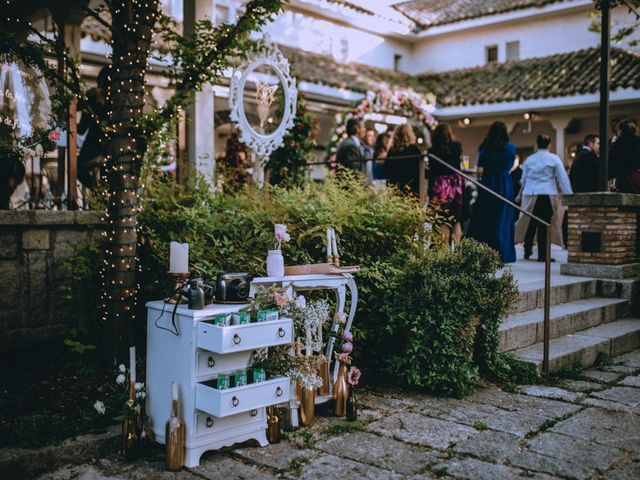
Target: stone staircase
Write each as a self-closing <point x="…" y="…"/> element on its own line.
<point x="587" y="317"/>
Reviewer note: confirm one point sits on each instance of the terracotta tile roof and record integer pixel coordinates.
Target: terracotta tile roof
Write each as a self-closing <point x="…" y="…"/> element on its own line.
<point x="323" y="69"/>
<point x="559" y="75"/>
<point x="428" y="13"/>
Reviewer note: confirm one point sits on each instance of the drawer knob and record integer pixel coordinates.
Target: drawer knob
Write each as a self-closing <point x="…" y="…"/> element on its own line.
<point x="237" y="339"/>
<point x="209" y="422"/>
<point x="281" y="332"/>
<point x="254" y="412"/>
<point x="235" y="401"/>
<point x="279" y="392"/>
<point x="211" y="362"/>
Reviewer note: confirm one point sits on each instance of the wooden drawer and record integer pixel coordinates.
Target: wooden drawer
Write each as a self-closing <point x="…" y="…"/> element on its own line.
<point x="207" y="424"/>
<point x="240" y="338"/>
<point x="209" y="364"/>
<point x="222" y="403"/>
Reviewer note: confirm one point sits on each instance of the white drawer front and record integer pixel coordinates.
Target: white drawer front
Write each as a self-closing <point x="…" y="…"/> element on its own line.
<point x="210" y="364"/>
<point x="222" y="403"/>
<point x="240" y="338"/>
<point x="207" y="424"/>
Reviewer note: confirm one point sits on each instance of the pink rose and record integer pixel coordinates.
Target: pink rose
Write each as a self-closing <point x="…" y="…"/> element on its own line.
<point x="347" y="336"/>
<point x="347" y="347"/>
<point x="279" y="298"/>
<point x="343" y="358"/>
<point x="353" y="375"/>
<point x="54" y="135"/>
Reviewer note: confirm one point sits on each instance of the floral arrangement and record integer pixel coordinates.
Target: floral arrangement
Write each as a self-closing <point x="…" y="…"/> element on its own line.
<point x="119" y="402"/>
<point x="308" y="321"/>
<point x="406" y="103"/>
<point x="344" y="357"/>
<point x="281" y="234"/>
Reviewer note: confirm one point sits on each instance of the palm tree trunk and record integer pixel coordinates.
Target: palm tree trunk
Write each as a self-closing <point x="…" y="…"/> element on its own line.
<point x="132" y="29"/>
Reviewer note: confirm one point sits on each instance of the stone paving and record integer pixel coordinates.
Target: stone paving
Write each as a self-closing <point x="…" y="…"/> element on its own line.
<point x="584" y="427"/>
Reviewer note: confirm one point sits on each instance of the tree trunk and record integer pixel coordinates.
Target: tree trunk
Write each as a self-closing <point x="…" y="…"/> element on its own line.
<point x="132" y="29"/>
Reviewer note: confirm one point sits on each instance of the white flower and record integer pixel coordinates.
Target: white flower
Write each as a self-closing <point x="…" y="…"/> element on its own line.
<point x="99" y="406"/>
<point x="141" y="394"/>
<point x="281" y="233"/>
<point x="138" y="386"/>
<point x="301" y="302"/>
<point x="122" y="368"/>
<point x="120" y="379"/>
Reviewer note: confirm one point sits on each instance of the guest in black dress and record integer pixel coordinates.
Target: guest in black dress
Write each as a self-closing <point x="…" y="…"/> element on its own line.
<point x="624" y="158"/>
<point x="403" y="160"/>
<point x="446" y="187"/>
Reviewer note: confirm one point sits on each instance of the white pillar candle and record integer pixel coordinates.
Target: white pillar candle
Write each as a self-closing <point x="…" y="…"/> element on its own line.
<point x="319" y="337"/>
<point x="132" y="363"/>
<point x="329" y="242"/>
<point x="179" y="258"/>
<point x="174" y="391"/>
<point x="333" y="242"/>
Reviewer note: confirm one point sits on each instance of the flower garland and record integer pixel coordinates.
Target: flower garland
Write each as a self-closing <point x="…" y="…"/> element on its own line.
<point x="405" y="103"/>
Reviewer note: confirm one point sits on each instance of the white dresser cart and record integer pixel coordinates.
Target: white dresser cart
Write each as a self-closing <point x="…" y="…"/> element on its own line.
<point x="340" y="283"/>
<point x="194" y="356"/>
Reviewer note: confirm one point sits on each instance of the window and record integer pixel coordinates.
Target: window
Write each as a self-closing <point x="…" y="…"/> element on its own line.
<point x="491" y="53"/>
<point x="397" y="58"/>
<point x="513" y="51"/>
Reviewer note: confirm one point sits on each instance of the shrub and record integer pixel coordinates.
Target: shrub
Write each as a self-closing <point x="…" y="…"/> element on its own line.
<point x="446" y="308"/>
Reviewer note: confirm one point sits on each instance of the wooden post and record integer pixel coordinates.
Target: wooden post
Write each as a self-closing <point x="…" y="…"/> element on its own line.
<point x="605" y="73"/>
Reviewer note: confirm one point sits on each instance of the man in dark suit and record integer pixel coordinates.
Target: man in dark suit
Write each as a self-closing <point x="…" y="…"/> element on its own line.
<point x="585" y="170"/>
<point x="350" y="152"/>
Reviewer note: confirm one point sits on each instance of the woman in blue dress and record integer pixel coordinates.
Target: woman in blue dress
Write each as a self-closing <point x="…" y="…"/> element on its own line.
<point x="492" y="221"/>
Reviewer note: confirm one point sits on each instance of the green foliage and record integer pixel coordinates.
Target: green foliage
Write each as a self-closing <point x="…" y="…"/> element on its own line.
<point x="36" y="430"/>
<point x="447" y="308"/>
<point x="287" y="165"/>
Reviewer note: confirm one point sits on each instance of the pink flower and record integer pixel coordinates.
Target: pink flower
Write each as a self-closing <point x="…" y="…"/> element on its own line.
<point x="347" y="336"/>
<point x="279" y="298"/>
<point x="343" y="358"/>
<point x="54" y="135"/>
<point x="347" y="347"/>
<point x="353" y="375"/>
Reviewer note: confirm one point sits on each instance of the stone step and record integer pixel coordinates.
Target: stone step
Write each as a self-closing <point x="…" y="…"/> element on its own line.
<point x="582" y="348"/>
<point x="563" y="290"/>
<point x="526" y="328"/>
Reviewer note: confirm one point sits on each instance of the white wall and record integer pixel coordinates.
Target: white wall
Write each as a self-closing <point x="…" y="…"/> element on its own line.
<point x="539" y="37"/>
<point x="345" y="44"/>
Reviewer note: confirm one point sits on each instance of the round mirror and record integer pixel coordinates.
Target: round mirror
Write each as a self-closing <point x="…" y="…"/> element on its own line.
<point x="263" y="100"/>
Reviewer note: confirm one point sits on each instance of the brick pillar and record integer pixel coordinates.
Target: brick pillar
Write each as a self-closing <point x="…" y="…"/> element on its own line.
<point x="603" y="235"/>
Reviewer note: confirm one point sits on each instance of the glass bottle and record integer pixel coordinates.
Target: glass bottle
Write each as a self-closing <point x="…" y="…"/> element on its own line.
<point x="273" y="424"/>
<point x="352" y="405"/>
<point x="174" y="435"/>
<point x="340" y="392"/>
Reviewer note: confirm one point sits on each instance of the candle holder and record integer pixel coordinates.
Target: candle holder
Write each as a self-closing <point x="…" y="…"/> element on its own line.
<point x="176" y="292"/>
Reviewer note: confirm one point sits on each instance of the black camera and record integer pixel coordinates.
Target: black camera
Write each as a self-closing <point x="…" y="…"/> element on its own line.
<point x="232" y="287"/>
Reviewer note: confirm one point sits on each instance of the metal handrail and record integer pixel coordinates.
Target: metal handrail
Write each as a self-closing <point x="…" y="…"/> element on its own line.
<point x="547" y="225"/>
<point x="547" y="263"/>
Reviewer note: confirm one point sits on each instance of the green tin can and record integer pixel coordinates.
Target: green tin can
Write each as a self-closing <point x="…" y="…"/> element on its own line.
<point x="222" y="319"/>
<point x="222" y="382"/>
<point x="240" y="318"/>
<point x="259" y="375"/>
<point x="268" y="315"/>
<point x="240" y="378"/>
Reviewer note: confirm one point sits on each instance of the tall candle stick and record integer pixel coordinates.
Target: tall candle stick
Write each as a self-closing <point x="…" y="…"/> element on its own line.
<point x="179" y="257"/>
<point x="174" y="391"/>
<point x="329" y="254"/>
<point x="336" y="255"/>
<point x="307" y="348"/>
<point x="132" y="363"/>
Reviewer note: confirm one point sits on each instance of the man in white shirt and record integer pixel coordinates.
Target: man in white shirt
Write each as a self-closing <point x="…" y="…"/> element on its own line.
<point x="542" y="173"/>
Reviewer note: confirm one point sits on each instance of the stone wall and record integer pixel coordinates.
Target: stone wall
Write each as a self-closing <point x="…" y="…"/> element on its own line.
<point x="34" y="247"/>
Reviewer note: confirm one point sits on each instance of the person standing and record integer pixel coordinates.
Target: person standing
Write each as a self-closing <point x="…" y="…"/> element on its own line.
<point x="350" y="152"/>
<point x="368" y="146"/>
<point x="402" y="163"/>
<point x="446" y="187"/>
<point x="585" y="171"/>
<point x="380" y="151"/>
<point x="492" y="219"/>
<point x="541" y="174"/>
<point x="624" y="158"/>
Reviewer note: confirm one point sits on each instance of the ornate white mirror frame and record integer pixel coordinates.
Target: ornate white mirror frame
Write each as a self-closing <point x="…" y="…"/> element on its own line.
<point x="268" y="55"/>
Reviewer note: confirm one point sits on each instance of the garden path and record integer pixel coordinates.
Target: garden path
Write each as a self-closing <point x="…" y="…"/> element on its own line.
<point x="587" y="426"/>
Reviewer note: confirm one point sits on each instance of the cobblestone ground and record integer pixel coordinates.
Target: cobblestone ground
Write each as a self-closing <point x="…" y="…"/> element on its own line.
<point x="585" y="427"/>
